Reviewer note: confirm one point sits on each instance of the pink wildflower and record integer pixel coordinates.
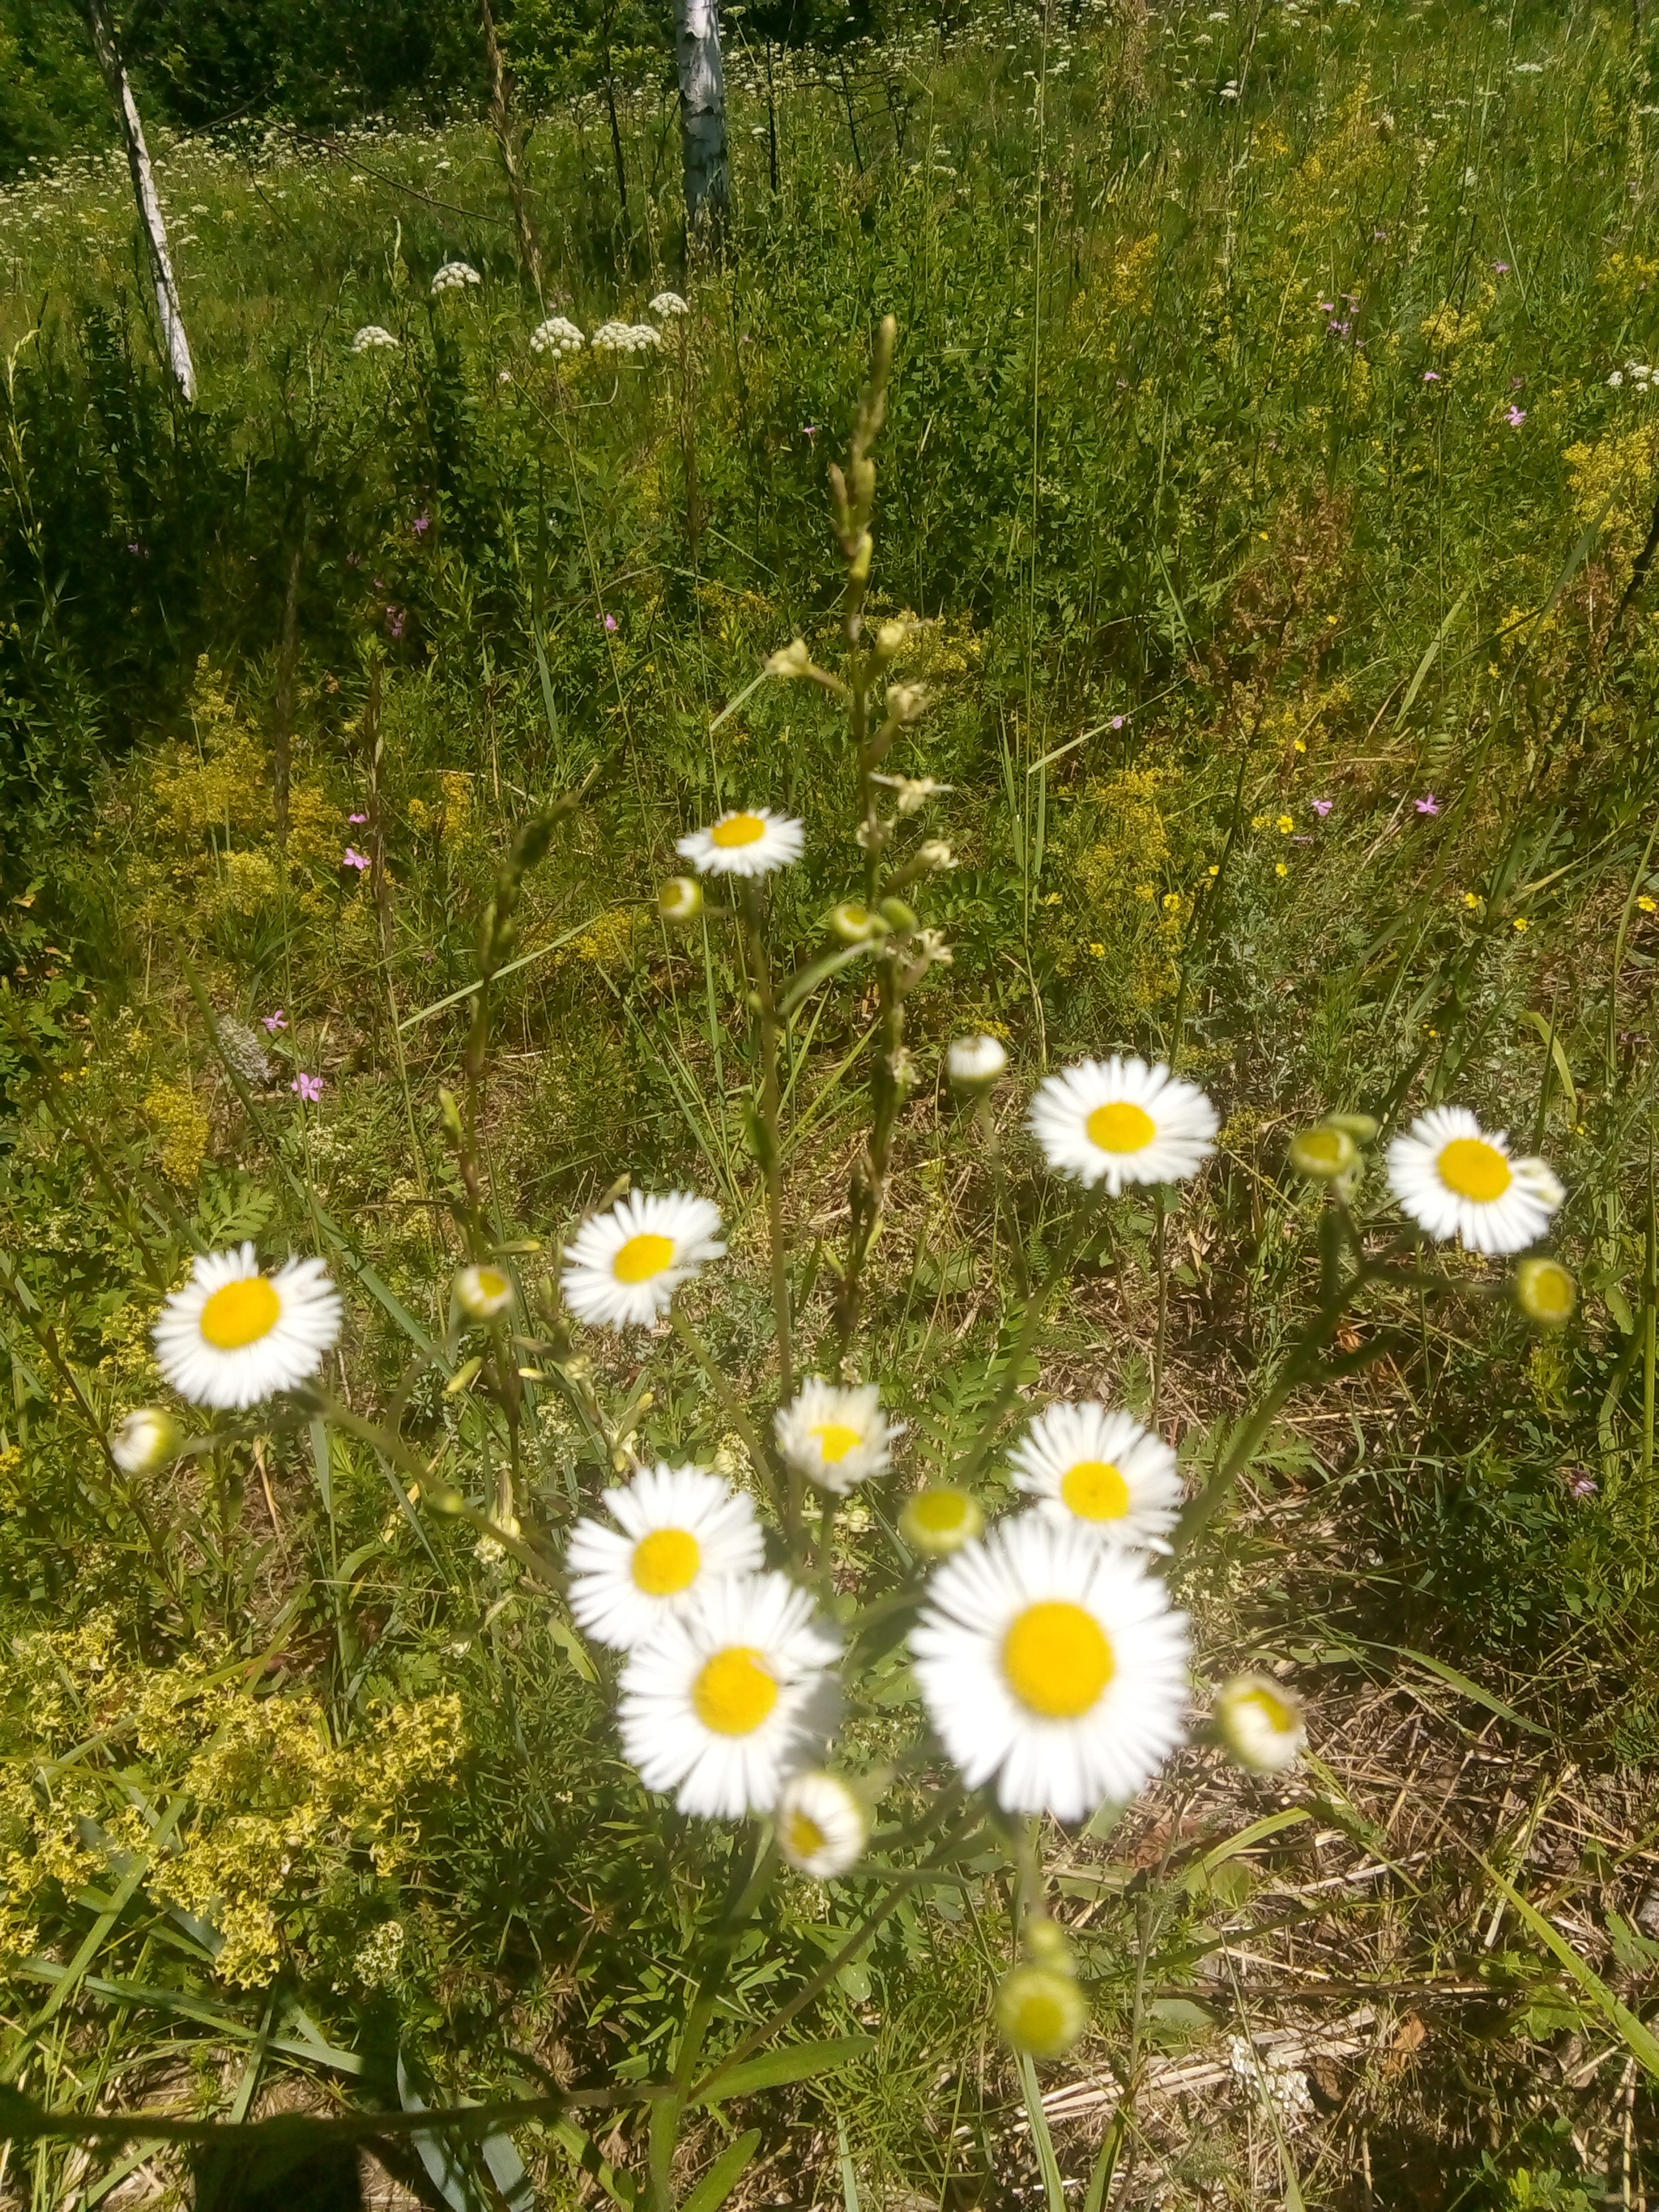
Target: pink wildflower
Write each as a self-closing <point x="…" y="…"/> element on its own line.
<point x="1429" y="805"/>
<point x="1515" y="417"/>
<point x="275" y="1022"/>
<point x="354" y="859"/>
<point x="1431" y="376"/>
<point x="309" y="1087"/>
<point x="1322" y="807"/>
<point x="357" y="817"/>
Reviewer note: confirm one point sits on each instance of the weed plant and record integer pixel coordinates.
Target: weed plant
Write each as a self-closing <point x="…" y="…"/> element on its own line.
<point x="1268" y="498"/>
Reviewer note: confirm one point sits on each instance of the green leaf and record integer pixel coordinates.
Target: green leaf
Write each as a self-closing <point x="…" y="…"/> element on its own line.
<point x="796" y="2062"/>
<point x="1493" y="1703"/>
<point x="1638" y="2038"/>
<point x="723" y="2176"/>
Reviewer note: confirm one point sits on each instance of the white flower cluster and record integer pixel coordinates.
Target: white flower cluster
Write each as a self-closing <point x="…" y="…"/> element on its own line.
<point x="626" y="337"/>
<point x="558" y="335"/>
<point x="1282" y="2087"/>
<point x="455" y="277"/>
<point x="374" y="338"/>
<point x="1641" y="375"/>
<point x="667" y="304"/>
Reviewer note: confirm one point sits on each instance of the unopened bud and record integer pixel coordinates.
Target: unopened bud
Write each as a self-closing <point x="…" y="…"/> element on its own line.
<point x="147" y="1439"/>
<point x="1362" y="1127"/>
<point x="1260" y="1723"/>
<point x="1323" y="1152"/>
<point x="1041" y="2011"/>
<point x="853" y="923"/>
<point x="1047" y="1944"/>
<point x="1544" y="1293"/>
<point x="974" y="1063"/>
<point x="935" y="854"/>
<point x="679" y="900"/>
<point x="482" y="1292"/>
<point x="895" y="912"/>
<point x="907" y="702"/>
<point x="940" y="1521"/>
<point x="889" y="638"/>
<point x="792" y="660"/>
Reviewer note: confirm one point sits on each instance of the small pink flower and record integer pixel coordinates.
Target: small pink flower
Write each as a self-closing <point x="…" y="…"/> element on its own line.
<point x="395" y="621"/>
<point x="1515" y="417"/>
<point x="1322" y="807"/>
<point x="1502" y="267"/>
<point x="610" y="624"/>
<point x="1118" y="720"/>
<point x="357" y="817"/>
<point x="1327" y="307"/>
<point x="1431" y="376"/>
<point x="1429" y="805"/>
<point x="421" y="525"/>
<point x="354" y="859"/>
<point x="275" y="1022"/>
<point x="309" y="1087"/>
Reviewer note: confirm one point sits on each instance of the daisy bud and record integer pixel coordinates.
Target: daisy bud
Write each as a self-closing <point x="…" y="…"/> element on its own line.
<point x="1362" y="1127"/>
<point x="792" y="660"/>
<point x="906" y="703"/>
<point x="935" y="854"/>
<point x="1041" y="2010"/>
<point x="821" y="1826"/>
<point x="1544" y="1293"/>
<point x="889" y="638"/>
<point x="853" y="923"/>
<point x="147" y="1439"/>
<point x="895" y="912"/>
<point x="1047" y="1944"/>
<point x="482" y="1292"/>
<point x="1261" y="1723"/>
<point x="940" y="1521"/>
<point x="974" y="1063"/>
<point x="1323" y="1152"/>
<point x="680" y="899"/>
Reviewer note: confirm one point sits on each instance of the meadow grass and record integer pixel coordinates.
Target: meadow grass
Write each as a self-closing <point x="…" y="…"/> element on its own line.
<point x="1269" y="474"/>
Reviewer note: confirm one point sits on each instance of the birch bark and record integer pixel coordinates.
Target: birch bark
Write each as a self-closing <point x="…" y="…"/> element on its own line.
<point x="703" y="117"/>
<point x="143" y="190"/>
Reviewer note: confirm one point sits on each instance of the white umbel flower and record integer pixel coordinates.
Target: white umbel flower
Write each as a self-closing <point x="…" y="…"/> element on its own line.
<point x="1052" y="1663"/>
<point x="558" y="335"/>
<point x="455" y="277"/>
<point x="1119" y="1121"/>
<point x="752" y="842"/>
<point x="374" y="338"/>
<point x="1456" y="1180"/>
<point x="1100" y="1471"/>
<point x="732" y="1697"/>
<point x="146" y="1440"/>
<point x="624" y="1266"/>
<point x="667" y="304"/>
<point x="822" y="1826"/>
<point x="835" y="1437"/>
<point x="233" y="1337"/>
<point x="680" y="1530"/>
<point x="973" y="1063"/>
<point x="481" y="1292"/>
<point x="1261" y="1723"/>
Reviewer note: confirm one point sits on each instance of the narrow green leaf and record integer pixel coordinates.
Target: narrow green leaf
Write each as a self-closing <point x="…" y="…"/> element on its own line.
<point x="1257" y="1832"/>
<point x="796" y="2062"/>
<point x="849" y="2180"/>
<point x="1638" y="2038"/>
<point x="723" y="2175"/>
<point x="1052" y="2188"/>
<point x="1486" y="1698"/>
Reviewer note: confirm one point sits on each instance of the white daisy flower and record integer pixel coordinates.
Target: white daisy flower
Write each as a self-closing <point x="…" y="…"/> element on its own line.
<point x="1120" y="1121"/>
<point x="372" y="338"/>
<point x="681" y="1529"/>
<point x="835" y="1437"/>
<point x="821" y="1826"/>
<point x="668" y="303"/>
<point x="1261" y="1723"/>
<point x="455" y="277"/>
<point x="233" y="1337"/>
<point x="558" y="335"/>
<point x="145" y="1440"/>
<point x="752" y="842"/>
<point x="973" y="1063"/>
<point x="1054" y="1663"/>
<point x="482" y="1292"/>
<point x="1103" y="1470"/>
<point x="732" y="1697"/>
<point x="1455" y="1179"/>
<point x="624" y="1266"/>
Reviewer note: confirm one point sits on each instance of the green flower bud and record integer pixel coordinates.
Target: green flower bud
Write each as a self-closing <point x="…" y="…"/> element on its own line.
<point x="853" y="923"/>
<point x="1544" y="1293"/>
<point x="1323" y="1152"/>
<point x="1362" y="1127"/>
<point x="680" y="900"/>
<point x="895" y="912"/>
<point x="940" y="1521"/>
<point x="1047" y="1944"/>
<point x="146" y="1440"/>
<point x="1041" y="2010"/>
<point x="791" y="659"/>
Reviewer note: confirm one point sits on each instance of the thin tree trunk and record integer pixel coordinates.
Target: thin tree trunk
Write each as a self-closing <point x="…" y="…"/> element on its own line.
<point x="143" y="190"/>
<point x="616" y="138"/>
<point x="702" y="118"/>
<point x="501" y="117"/>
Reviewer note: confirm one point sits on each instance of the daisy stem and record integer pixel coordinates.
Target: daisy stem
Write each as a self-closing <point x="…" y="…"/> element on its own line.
<point x="827" y="1540"/>
<point x="985" y="1123"/>
<point x="784" y="1496"/>
<point x="770" y="1145"/>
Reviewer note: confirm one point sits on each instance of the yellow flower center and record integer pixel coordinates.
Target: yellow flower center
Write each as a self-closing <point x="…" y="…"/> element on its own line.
<point x="835" y="1440"/>
<point x="735" y="1691"/>
<point x="805" y="1838"/>
<point x="1474" y="1169"/>
<point x="739" y="830"/>
<point x="939" y="1511"/>
<point x="241" y="1313"/>
<point x="1057" y="1659"/>
<point x="1274" y="1710"/>
<point x="1323" y="1148"/>
<point x="1040" y="2018"/>
<point x="1121" y="1128"/>
<point x="667" y="1561"/>
<point x="642" y="1257"/>
<point x="492" y="1284"/>
<point x="1095" y="1490"/>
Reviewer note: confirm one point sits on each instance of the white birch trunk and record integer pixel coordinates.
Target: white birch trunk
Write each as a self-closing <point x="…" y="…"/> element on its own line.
<point x="702" y="115"/>
<point x="143" y="190"/>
